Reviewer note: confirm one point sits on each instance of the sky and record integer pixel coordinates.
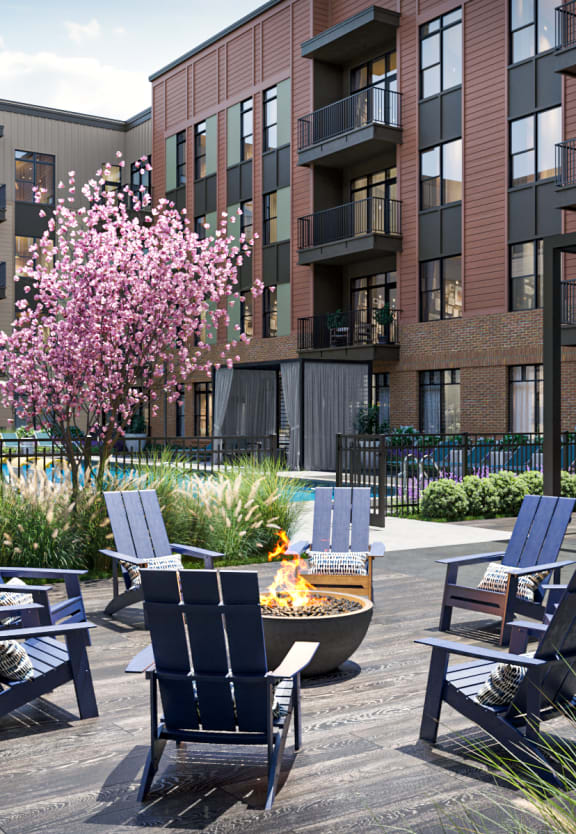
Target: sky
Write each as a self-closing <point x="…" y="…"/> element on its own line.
<point x="96" y="57"/>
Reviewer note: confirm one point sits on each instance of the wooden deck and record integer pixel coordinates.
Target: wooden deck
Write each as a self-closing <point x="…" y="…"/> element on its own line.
<point x="362" y="768"/>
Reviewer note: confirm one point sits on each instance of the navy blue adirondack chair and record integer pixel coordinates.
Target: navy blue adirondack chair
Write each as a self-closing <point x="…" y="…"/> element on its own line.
<point x="548" y="689"/>
<point x="69" y="610"/>
<point x="208" y="660"/>
<point x="140" y="535"/>
<point x="534" y="546"/>
<point x="339" y="526"/>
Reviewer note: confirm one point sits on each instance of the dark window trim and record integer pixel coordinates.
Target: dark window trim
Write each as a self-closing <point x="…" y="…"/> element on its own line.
<point x="246" y="106"/>
<point x="199" y="131"/>
<point x="243" y="224"/>
<point x="534" y="115"/>
<point x="267" y="126"/>
<point x="538" y="288"/>
<point x="243" y="317"/>
<point x="268" y="218"/>
<point x="441" y="31"/>
<point x="455" y="380"/>
<point x="180" y="166"/>
<point x="268" y="310"/>
<point x="34" y="161"/>
<point x="535" y="40"/>
<point x="442" y="204"/>
<point x="539" y="406"/>
<point x="203" y="391"/>
<point x="443" y="317"/>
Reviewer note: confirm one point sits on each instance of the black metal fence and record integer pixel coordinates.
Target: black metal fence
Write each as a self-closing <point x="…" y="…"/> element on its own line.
<point x="568" y="302"/>
<point x="566" y="25"/>
<point x="375" y="215"/>
<point x="566" y="163"/>
<point x="348" y="328"/>
<point x="398" y="467"/>
<point x="372" y="106"/>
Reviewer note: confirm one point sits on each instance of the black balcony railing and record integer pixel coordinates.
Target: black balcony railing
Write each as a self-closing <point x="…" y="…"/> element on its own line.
<point x="2" y="202"/>
<point x="569" y="302"/>
<point x="348" y="329"/>
<point x="375" y="215"/>
<point x="566" y="25"/>
<point x="372" y="106"/>
<point x="2" y="279"/>
<point x="566" y="163"/>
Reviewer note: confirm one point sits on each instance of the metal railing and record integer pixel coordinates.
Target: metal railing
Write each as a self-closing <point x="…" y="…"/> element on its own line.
<point x="372" y="106"/>
<point x="566" y="25"/>
<point x="375" y="215"/>
<point x="568" y="301"/>
<point x="566" y="163"/>
<point x="348" y="328"/>
<point x="2" y="202"/>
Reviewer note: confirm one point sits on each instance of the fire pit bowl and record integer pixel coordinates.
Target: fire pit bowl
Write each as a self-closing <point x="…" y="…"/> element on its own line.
<point x="339" y="634"/>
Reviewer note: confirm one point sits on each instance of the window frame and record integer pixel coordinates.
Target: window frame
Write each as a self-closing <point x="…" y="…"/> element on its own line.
<point x="243" y="225"/>
<point x="534" y="149"/>
<point x="34" y="181"/>
<point x="269" y="312"/>
<point x="442" y="27"/>
<point x="140" y="176"/>
<point x="180" y="164"/>
<point x="441" y="289"/>
<point x="244" y="319"/>
<point x="199" y="222"/>
<point x="200" y="132"/>
<point x="440" y="148"/>
<point x="535" y="25"/>
<point x="270" y="95"/>
<point x="270" y="220"/>
<point x="537" y="381"/>
<point x="536" y="275"/>
<point x="381" y="382"/>
<point x="203" y="393"/>
<point x="442" y="375"/>
<point x="246" y="108"/>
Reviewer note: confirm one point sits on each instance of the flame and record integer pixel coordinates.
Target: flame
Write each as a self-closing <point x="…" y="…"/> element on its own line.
<point x="288" y="586"/>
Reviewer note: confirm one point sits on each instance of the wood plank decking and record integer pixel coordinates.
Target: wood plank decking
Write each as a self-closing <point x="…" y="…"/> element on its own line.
<point x="362" y="768"/>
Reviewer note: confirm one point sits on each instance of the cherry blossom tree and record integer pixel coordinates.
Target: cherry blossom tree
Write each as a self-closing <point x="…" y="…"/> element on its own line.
<point x="123" y="299"/>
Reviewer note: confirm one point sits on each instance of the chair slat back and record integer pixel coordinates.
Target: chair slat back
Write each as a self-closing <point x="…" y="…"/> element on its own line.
<point x="322" y="523"/>
<point x="539" y="530"/>
<point x="341" y="516"/>
<point x="226" y="655"/>
<point x="137" y="523"/>
<point x="522" y="526"/>
<point x="119" y="523"/>
<point x="360" y="533"/>
<point x="155" y="522"/>
<point x="341" y="524"/>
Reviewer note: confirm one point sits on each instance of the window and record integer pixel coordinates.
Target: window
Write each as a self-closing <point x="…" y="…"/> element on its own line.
<point x="526" y="270"/>
<point x="181" y="415"/>
<point x="199" y="226"/>
<point x="378" y="74"/>
<point x="381" y="73"/>
<point x="531" y="27"/>
<point x="270" y="310"/>
<point x="181" y="158"/>
<point x="441" y="54"/>
<point x="380" y="184"/>
<point x="34" y="169"/>
<point x="113" y="175"/>
<point x="139" y="175"/>
<point x="441" y="175"/>
<point x="247" y="314"/>
<point x="247" y="219"/>
<point x="202" y="409"/>
<point x="246" y="130"/>
<point x="373" y="292"/>
<point x="526" y="398"/>
<point x="21" y="257"/>
<point x="377" y="215"/>
<point x="270" y="118"/>
<point x="441" y="289"/>
<point x="533" y="142"/>
<point x="381" y="397"/>
<point x="440" y="402"/>
<point x="200" y="150"/>
<point x="271" y="217"/>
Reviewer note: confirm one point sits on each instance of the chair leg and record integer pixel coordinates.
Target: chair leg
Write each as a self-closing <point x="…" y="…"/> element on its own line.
<point x="85" y="696"/>
<point x="445" y="618"/>
<point x="151" y="766"/>
<point x="433" y="699"/>
<point x="297" y="714"/>
<point x="275" y="762"/>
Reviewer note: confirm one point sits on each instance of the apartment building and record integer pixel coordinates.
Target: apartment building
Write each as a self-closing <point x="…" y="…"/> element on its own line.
<point x="398" y="161"/>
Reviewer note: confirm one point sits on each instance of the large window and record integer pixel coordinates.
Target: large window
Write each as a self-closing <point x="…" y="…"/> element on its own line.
<point x="247" y="219"/>
<point x="271" y="217"/>
<point x="374" y="216"/>
<point x="199" y="226"/>
<point x="113" y="175"/>
<point x="270" y="313"/>
<point x="373" y="292"/>
<point x="200" y="150"/>
<point x="270" y="118"/>
<point x="139" y="175"/>
<point x="441" y="289"/>
<point x="202" y="409"/>
<point x="246" y="130"/>
<point x="441" y="54"/>
<point x="531" y="27"/>
<point x="247" y="314"/>
<point x="526" y="398"/>
<point x="378" y="74"/>
<point x="381" y="397"/>
<point x="34" y="169"/>
<point x="380" y="184"/>
<point x="526" y="270"/>
<point x="181" y="158"/>
<point x="441" y="175"/>
<point x="440" y="401"/>
<point x="533" y="142"/>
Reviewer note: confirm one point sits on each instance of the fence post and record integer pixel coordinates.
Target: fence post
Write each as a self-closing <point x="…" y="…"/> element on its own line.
<point x="338" y="460"/>
<point x="382" y="490"/>
<point x="465" y="454"/>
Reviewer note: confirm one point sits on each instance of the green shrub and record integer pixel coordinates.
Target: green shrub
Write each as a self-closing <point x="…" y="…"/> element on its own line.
<point x="567" y="485"/>
<point x="511" y="490"/>
<point x="444" y="499"/>
<point x="533" y="481"/>
<point x="482" y="496"/>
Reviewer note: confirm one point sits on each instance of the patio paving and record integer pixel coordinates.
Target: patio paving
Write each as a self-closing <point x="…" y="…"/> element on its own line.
<point x="362" y="768"/>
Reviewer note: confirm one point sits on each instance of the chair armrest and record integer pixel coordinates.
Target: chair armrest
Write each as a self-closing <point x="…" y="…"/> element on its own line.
<point x="45" y="630"/>
<point x="122" y="557"/>
<point x="196" y="552"/>
<point x="22" y="589"/>
<point x="471" y="560"/>
<point x="377" y="549"/>
<point x="15" y="609"/>
<point x="142" y="662"/>
<point x="41" y="573"/>
<point x="297" y="548"/>
<point x="528" y="624"/>
<point x="299" y="655"/>
<point x="476" y="651"/>
<point x="536" y="568"/>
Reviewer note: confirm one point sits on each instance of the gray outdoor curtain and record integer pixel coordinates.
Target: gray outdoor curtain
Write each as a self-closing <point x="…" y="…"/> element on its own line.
<point x="333" y="393"/>
<point x="222" y="386"/>
<point x="251" y="407"/>
<point x="290" y="375"/>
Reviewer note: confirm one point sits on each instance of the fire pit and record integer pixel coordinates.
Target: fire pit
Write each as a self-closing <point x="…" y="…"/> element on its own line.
<point x="294" y="610"/>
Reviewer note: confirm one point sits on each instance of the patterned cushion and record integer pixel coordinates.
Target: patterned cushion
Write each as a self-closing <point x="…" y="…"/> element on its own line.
<point x="15" y="664"/>
<point x="338" y="563"/>
<point x="6" y="598"/>
<point x="171" y="562"/>
<point x="496" y="579"/>
<point x="502" y="684"/>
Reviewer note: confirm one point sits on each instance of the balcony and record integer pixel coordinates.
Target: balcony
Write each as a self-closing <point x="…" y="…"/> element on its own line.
<point x="2" y="203"/>
<point x="568" y="312"/>
<point x="2" y="279"/>
<point x="566" y="174"/>
<point x="354" y="128"/>
<point x="566" y="38"/>
<point x="353" y="334"/>
<point x="355" y="231"/>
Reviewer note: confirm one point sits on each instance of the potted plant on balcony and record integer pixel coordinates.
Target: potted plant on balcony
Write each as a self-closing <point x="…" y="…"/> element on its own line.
<point x="336" y="323"/>
<point x="384" y="316"/>
<point x="136" y="433"/>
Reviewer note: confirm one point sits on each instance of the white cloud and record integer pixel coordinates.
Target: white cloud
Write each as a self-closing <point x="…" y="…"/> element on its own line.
<point x="119" y="30"/>
<point x="74" y="83"/>
<point x="80" y="32"/>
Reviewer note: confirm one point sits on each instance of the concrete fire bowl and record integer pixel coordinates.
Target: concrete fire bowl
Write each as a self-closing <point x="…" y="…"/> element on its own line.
<point x="339" y="635"/>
